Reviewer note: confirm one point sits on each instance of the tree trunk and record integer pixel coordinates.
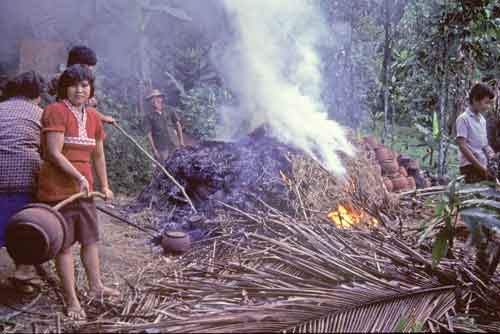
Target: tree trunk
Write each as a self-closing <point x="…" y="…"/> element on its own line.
<point x="443" y="102"/>
<point x="144" y="64"/>
<point x="386" y="66"/>
<point x="350" y="71"/>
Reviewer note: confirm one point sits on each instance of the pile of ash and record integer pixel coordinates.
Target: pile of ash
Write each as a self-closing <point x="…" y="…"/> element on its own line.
<point x="240" y="174"/>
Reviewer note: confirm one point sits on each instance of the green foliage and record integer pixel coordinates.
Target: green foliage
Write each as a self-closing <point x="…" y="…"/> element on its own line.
<point x="446" y="213"/>
<point x="478" y="207"/>
<point x="416" y="143"/>
<point x="128" y="169"/>
<point x="416" y="328"/>
<point x="199" y="110"/>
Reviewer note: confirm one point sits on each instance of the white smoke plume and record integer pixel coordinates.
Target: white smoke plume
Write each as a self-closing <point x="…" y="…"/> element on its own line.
<point x="274" y="69"/>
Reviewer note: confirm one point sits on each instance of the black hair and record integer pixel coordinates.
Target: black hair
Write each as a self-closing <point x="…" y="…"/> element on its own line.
<point x="81" y="55"/>
<point x="72" y="76"/>
<point x="29" y="84"/>
<point x="479" y="91"/>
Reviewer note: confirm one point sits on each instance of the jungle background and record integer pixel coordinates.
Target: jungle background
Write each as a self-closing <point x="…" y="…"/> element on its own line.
<point x="399" y="69"/>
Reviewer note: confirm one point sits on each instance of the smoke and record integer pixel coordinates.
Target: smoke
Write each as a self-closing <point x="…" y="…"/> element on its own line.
<point x="267" y="56"/>
<point x="273" y="67"/>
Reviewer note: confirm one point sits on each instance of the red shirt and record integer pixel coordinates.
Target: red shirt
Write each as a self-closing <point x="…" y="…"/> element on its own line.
<point x="81" y="130"/>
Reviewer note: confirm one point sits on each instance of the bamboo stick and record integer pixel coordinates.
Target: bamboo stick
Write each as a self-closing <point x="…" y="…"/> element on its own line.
<point x="157" y="163"/>
<point x="122" y="219"/>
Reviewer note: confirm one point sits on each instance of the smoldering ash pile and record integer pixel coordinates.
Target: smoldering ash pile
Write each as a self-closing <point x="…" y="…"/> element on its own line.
<point x="272" y="66"/>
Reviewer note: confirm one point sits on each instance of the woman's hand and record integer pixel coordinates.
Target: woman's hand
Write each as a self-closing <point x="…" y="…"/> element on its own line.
<point x="84" y="184"/>
<point x="108" y="194"/>
<point x="108" y="119"/>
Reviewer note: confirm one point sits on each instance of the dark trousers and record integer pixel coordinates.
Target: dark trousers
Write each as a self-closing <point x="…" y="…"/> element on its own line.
<point x="10" y="204"/>
<point x="472" y="174"/>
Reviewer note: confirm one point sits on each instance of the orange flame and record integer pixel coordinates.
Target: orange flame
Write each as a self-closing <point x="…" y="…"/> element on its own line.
<point x="345" y="217"/>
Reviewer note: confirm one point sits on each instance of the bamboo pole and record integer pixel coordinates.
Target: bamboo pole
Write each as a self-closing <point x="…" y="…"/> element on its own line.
<point x="146" y="153"/>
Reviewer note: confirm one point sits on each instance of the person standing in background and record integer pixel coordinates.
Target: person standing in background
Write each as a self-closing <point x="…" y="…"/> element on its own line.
<point x="163" y="127"/>
<point x="472" y="140"/>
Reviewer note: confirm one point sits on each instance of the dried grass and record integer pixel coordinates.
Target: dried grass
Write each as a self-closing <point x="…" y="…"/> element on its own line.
<point x="269" y="271"/>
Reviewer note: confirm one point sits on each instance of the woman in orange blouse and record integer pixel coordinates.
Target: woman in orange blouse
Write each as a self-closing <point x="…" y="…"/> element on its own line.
<point x="72" y="141"/>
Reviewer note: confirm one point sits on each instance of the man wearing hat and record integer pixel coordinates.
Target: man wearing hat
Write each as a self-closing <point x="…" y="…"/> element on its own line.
<point x="163" y="127"/>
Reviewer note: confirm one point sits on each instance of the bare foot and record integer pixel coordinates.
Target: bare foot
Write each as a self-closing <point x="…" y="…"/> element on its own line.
<point x="103" y="292"/>
<point x="76" y="312"/>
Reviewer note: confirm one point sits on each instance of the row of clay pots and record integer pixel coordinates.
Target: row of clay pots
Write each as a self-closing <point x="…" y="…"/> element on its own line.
<point x="396" y="177"/>
<point x="399" y="183"/>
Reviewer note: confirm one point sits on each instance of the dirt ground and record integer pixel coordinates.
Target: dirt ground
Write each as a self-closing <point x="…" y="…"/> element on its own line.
<point x="123" y="250"/>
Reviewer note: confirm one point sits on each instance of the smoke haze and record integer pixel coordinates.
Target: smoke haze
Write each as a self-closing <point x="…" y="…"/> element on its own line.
<point x="265" y="51"/>
<point x="273" y="66"/>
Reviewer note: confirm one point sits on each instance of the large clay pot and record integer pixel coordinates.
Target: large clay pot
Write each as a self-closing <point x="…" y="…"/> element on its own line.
<point x="400" y="183"/>
<point x="35" y="234"/>
<point x="383" y="153"/>
<point x="176" y="242"/>
<point x="389" y="167"/>
<point x="38" y="232"/>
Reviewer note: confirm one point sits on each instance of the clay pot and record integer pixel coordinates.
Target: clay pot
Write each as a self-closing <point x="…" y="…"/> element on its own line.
<point x="35" y="234"/>
<point x="389" y="167"/>
<point x="383" y="153"/>
<point x="403" y="171"/>
<point x="411" y="183"/>
<point x="176" y="242"/>
<point x="400" y="183"/>
<point x="388" y="184"/>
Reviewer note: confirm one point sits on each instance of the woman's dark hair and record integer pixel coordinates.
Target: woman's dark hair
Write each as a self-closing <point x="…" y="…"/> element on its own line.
<point x="81" y="55"/>
<point x="480" y="91"/>
<point x="72" y="76"/>
<point x="30" y="85"/>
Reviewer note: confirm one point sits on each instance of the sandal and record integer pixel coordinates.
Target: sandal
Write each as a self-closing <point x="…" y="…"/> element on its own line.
<point x="76" y="313"/>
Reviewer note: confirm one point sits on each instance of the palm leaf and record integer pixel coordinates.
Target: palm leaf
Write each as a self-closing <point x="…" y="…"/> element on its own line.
<point x="358" y="309"/>
<point x="383" y="315"/>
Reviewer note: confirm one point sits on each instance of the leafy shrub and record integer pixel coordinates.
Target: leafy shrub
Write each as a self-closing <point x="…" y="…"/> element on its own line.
<point x="199" y="110"/>
<point x="128" y="169"/>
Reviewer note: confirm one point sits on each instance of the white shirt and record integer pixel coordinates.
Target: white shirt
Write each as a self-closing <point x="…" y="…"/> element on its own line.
<point x="472" y="127"/>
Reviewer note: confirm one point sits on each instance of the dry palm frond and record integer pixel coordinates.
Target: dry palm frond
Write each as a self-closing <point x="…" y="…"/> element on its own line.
<point x="307" y="277"/>
<point x="352" y="310"/>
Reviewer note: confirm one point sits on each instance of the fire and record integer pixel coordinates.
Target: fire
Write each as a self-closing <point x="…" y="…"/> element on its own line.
<point x="285" y="178"/>
<point x="346" y="217"/>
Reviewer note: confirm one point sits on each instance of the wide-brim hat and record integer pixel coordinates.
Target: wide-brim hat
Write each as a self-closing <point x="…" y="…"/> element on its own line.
<point x="153" y="93"/>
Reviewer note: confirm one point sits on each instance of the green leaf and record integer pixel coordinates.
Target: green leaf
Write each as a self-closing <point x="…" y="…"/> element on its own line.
<point x="440" y="247"/>
<point x="438" y="211"/>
